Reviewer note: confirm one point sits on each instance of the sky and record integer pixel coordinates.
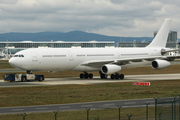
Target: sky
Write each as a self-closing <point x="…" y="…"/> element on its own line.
<point x="126" y="18"/>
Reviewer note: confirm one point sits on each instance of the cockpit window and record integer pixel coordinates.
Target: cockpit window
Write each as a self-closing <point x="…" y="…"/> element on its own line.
<point x="18" y="55"/>
<point x="21" y="55"/>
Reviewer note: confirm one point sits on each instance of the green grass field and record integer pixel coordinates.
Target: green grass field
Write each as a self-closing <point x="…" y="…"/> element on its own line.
<point x="5" y="65"/>
<point x="42" y="95"/>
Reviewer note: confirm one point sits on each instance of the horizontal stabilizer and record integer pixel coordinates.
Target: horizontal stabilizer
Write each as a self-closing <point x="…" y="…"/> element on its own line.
<point x="167" y="51"/>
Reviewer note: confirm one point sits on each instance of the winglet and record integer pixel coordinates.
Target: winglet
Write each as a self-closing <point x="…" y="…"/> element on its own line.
<point x="160" y="39"/>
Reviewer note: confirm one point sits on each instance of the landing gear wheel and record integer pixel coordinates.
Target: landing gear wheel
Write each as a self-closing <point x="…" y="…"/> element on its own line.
<point x="117" y="76"/>
<point x="81" y="75"/>
<point x="121" y="76"/>
<point x="90" y="75"/>
<point x="112" y="76"/>
<point x="86" y="75"/>
<point x="103" y="76"/>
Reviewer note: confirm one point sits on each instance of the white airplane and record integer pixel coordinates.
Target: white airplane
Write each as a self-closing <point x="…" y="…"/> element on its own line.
<point x="105" y="60"/>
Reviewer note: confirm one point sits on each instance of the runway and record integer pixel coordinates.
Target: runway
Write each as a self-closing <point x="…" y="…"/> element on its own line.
<point x="95" y="80"/>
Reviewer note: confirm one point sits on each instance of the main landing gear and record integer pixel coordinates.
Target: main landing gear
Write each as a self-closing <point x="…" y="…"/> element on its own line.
<point x="103" y="76"/>
<point x="113" y="76"/>
<point x="117" y="76"/>
<point x="85" y="75"/>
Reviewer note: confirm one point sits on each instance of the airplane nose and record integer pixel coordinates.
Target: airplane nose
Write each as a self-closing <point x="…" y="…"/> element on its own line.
<point x="20" y="63"/>
<point x="11" y="62"/>
<point x="14" y="62"/>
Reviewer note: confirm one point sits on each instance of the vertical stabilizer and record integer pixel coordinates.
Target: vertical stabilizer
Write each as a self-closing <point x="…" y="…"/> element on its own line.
<point x="160" y="39"/>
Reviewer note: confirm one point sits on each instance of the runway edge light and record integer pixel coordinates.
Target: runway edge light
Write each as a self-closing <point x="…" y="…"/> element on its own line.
<point x="141" y="83"/>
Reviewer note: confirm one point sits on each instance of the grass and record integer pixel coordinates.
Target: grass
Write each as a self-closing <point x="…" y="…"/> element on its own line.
<point x="10" y="97"/>
<point x="5" y="65"/>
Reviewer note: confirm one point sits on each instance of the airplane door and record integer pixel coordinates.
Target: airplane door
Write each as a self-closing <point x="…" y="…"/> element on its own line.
<point x="71" y="58"/>
<point x="34" y="57"/>
<point x="118" y="55"/>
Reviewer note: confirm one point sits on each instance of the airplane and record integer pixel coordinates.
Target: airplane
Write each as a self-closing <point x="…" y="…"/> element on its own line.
<point x="108" y="61"/>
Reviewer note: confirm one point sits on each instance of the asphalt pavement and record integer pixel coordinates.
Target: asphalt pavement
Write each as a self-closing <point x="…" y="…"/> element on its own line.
<point x="87" y="105"/>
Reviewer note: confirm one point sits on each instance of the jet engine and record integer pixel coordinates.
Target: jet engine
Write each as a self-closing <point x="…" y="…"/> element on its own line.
<point x="160" y="64"/>
<point x="110" y="68"/>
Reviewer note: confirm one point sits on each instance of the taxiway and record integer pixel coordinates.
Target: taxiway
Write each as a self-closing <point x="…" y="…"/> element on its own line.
<point x="84" y="106"/>
<point x="95" y="80"/>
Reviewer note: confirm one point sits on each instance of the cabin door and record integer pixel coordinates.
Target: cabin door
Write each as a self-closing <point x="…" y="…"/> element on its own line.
<point x="71" y="58"/>
<point x="34" y="57"/>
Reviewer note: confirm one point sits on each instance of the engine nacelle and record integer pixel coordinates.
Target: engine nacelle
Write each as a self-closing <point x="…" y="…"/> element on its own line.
<point x="110" y="68"/>
<point x="160" y="64"/>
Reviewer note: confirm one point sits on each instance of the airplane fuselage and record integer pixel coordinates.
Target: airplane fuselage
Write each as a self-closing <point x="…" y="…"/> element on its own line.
<point x="60" y="59"/>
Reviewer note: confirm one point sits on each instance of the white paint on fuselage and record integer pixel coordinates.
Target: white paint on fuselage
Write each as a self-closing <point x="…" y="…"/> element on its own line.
<point x="60" y="59"/>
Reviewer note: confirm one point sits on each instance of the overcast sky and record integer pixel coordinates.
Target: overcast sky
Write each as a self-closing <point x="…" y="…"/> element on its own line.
<point x="108" y="17"/>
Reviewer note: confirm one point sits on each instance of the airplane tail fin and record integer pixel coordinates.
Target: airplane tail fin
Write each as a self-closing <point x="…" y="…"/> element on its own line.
<point x="160" y="39"/>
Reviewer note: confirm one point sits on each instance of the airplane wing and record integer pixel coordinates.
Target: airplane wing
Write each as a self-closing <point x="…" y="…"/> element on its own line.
<point x="171" y="58"/>
<point x="123" y="61"/>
